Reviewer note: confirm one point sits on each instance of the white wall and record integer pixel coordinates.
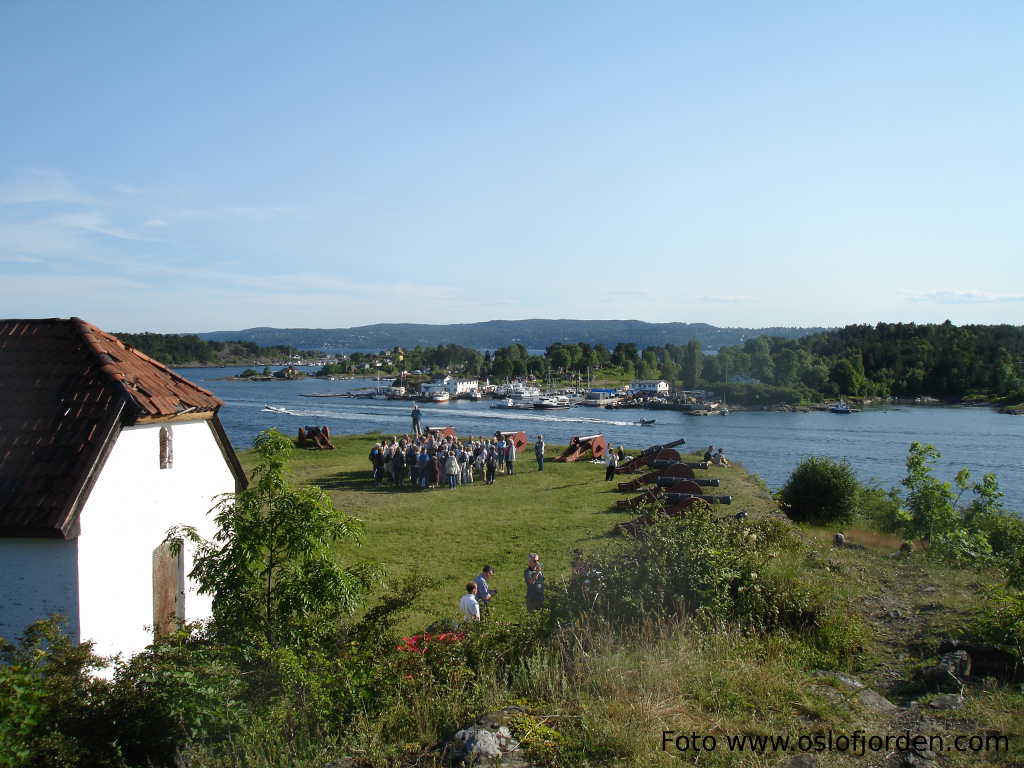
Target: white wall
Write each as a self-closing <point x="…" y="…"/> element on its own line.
<point x="127" y="514"/>
<point x="37" y="580"/>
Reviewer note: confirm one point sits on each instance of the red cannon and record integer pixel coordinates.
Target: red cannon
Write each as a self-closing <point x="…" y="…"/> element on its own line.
<point x="519" y="438"/>
<point x="637" y="462"/>
<point x="315" y="437"/>
<point x="578" y="446"/>
<point x="439" y="432"/>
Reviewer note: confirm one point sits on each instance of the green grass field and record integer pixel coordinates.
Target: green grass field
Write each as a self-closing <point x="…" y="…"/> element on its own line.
<point x="449" y="535"/>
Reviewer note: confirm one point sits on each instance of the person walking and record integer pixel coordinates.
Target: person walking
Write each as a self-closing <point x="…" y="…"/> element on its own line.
<point x="611" y="461"/>
<point x="534" y="578"/>
<point x="538" y="450"/>
<point x="484" y="593"/>
<point x="468" y="604"/>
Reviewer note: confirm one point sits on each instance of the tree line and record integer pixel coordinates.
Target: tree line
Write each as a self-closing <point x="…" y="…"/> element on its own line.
<point x="888" y="359"/>
<point x="188" y="349"/>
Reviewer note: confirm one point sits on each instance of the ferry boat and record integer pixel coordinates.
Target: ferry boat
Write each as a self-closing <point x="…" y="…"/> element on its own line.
<point x="552" y="402"/>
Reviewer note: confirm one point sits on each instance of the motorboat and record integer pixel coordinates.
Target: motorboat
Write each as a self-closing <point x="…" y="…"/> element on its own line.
<point x="274" y="409"/>
<point x="841" y="407"/>
<point x="646" y="422"/>
<point x="440" y="397"/>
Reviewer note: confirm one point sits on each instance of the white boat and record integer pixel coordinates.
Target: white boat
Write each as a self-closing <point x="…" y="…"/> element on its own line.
<point x="439" y="397"/>
<point x="274" y="409"/>
<point x="475" y="394"/>
<point x="519" y="391"/>
<point x="552" y="402"/>
<point x="841" y="407"/>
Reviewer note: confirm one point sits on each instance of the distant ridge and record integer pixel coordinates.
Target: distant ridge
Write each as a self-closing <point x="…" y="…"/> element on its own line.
<point x="533" y="334"/>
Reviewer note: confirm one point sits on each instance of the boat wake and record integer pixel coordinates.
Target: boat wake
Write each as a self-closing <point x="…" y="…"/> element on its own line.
<point x="440" y="415"/>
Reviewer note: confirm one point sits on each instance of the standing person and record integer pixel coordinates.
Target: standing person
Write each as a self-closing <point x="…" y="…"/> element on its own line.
<point x="622" y="454"/>
<point x="709" y="453"/>
<point x="484" y="593"/>
<point x="468" y="604"/>
<point x="451" y="469"/>
<point x="534" y="578"/>
<point x="398" y="466"/>
<point x="377" y="462"/>
<point x="416" y="415"/>
<point x="492" y="465"/>
<point x="611" y="461"/>
<point x="510" y="457"/>
<point x="538" y="449"/>
<point x="500" y="448"/>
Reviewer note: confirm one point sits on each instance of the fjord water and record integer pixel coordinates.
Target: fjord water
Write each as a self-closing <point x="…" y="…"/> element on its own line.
<point x="767" y="443"/>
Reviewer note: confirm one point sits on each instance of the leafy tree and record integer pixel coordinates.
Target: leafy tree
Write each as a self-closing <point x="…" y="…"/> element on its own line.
<point x="271" y="567"/>
<point x="821" y="490"/>
<point x="693" y="364"/>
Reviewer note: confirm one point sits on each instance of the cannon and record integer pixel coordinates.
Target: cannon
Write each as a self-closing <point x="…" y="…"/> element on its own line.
<point x="578" y="446"/>
<point x="440" y="432"/>
<point x="315" y="437"/>
<point x="645" y="457"/>
<point x="517" y="438"/>
<point x="706" y="482"/>
<point x="680" y="470"/>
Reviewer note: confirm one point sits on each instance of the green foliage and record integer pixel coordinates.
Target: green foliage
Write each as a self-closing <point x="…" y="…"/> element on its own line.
<point x="1001" y="620"/>
<point x="821" y="490"/>
<point x="930" y="501"/>
<point x="718" y="571"/>
<point x="248" y="373"/>
<point x="270" y="567"/>
<point x="882" y="509"/>
<point x="45" y="689"/>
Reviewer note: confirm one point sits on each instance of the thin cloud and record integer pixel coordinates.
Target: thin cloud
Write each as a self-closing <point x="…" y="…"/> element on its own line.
<point x="95" y="223"/>
<point x="726" y="299"/>
<point x="963" y="297"/>
<point x="21" y="258"/>
<point x="40" y="187"/>
<point x="154" y="223"/>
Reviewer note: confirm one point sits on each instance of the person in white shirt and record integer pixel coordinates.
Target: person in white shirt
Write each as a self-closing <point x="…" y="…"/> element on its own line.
<point x="468" y="605"/>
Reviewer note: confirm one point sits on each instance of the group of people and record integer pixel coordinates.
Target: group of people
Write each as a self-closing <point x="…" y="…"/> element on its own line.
<point x="434" y="461"/>
<point x="480" y="595"/>
<point x="716" y="457"/>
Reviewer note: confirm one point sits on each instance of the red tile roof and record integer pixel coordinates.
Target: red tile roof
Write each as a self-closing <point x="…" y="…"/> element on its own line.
<point x="66" y="389"/>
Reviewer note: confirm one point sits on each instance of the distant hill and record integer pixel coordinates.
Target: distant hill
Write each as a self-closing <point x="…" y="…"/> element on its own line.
<point x="533" y="334"/>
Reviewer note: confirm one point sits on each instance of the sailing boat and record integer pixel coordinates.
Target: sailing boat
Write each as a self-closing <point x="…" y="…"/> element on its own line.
<point x="724" y="411"/>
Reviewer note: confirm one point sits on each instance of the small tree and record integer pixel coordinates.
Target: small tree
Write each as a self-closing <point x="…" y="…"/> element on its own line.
<point x="271" y="567"/>
<point x="821" y="490"/>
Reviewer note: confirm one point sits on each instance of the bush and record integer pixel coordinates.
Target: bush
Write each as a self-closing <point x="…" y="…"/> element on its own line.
<point x="821" y="490"/>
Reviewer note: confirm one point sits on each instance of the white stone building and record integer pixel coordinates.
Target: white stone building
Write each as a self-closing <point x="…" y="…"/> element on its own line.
<point x="649" y="386"/>
<point x="102" y="450"/>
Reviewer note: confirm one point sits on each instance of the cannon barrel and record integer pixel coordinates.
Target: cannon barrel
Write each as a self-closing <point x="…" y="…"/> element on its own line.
<point x="668" y="481"/>
<point x="675" y="498"/>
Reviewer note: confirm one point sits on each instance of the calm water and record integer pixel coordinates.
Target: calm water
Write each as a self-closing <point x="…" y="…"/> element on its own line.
<point x="769" y="444"/>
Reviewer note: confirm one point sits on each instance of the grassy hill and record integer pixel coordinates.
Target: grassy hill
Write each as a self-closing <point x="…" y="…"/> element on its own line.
<point x="450" y="535"/>
<point x="602" y="694"/>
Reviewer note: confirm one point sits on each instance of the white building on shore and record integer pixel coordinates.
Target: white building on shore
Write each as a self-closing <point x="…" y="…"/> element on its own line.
<point x="649" y="386"/>
<point x="102" y="450"/>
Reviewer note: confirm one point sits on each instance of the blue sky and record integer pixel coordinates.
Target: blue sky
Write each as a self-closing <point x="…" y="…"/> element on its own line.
<point x="223" y="165"/>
